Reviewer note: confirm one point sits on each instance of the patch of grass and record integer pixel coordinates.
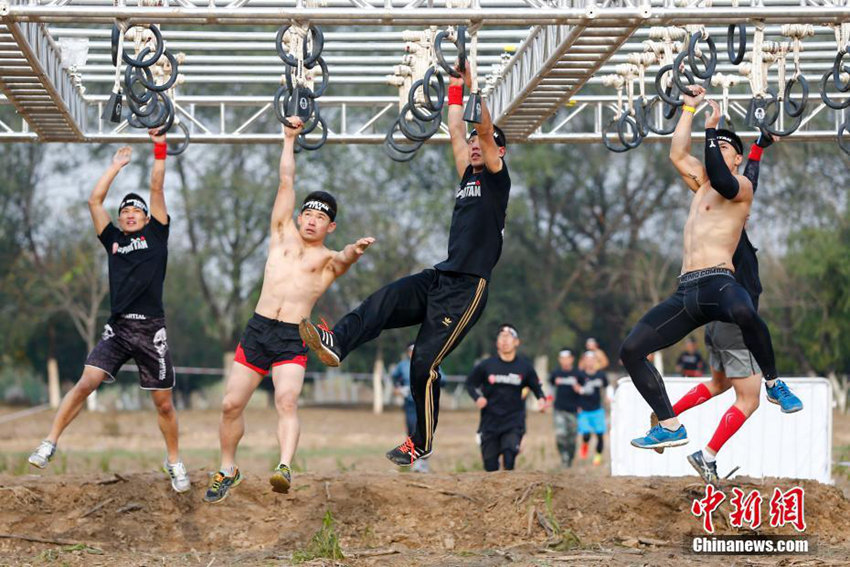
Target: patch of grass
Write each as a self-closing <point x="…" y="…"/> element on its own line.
<point x="299" y="465"/>
<point x="104" y="462"/>
<point x="462" y="467"/>
<point x="83" y="547"/>
<point x="3" y="464"/>
<point x="323" y="545"/>
<point x="22" y="466"/>
<point x="342" y="467"/>
<point x="563" y="539"/>
<point x="61" y="463"/>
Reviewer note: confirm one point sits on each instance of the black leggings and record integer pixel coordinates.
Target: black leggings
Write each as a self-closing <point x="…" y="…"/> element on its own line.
<point x="699" y="299"/>
<point x="600" y="441"/>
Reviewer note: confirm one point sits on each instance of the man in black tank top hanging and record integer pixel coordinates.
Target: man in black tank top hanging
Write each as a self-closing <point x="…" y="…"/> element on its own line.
<point x="447" y="300"/>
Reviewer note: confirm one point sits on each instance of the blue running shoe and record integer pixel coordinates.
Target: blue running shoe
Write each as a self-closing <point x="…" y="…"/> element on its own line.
<point x="784" y="398"/>
<point x="658" y="437"/>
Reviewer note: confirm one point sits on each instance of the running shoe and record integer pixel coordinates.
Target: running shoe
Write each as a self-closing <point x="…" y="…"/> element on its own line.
<point x="597" y="459"/>
<point x="42" y="455"/>
<point x="653" y="421"/>
<point x="407" y="453"/>
<point x="784" y="398"/>
<point x="220" y="486"/>
<point x="659" y="436"/>
<point x="582" y="452"/>
<point x="281" y="479"/>
<point x="708" y="471"/>
<point x="321" y="340"/>
<point x="179" y="477"/>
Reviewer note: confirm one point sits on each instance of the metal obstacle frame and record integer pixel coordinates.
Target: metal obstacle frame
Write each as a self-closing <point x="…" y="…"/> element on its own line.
<point x="544" y="88"/>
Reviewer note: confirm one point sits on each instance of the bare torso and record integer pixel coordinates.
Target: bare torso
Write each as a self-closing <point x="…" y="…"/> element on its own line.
<point x="296" y="275"/>
<point x="713" y="229"/>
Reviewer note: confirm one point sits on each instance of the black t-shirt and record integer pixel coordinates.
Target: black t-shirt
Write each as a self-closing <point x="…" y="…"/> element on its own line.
<point x="690" y="362"/>
<point x="566" y="398"/>
<point x="137" y="268"/>
<point x="592" y="386"/>
<point x="501" y="383"/>
<point x="478" y="220"/>
<point x="747" y="267"/>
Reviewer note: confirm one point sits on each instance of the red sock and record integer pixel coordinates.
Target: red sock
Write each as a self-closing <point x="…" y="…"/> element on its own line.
<point x="731" y="422"/>
<point x="697" y="395"/>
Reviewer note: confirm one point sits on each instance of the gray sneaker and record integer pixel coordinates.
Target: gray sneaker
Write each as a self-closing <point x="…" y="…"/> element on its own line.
<point x="708" y="471"/>
<point x="42" y="455"/>
<point x="179" y="477"/>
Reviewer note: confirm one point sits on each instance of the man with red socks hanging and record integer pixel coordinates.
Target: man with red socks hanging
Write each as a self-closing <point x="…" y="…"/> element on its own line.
<point x="707" y="288"/>
<point x="732" y="365"/>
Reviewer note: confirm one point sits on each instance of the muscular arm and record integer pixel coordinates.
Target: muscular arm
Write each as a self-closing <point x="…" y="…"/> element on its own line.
<point x="284" y="202"/>
<point x="99" y="216"/>
<point x="346" y="257"/>
<point x="158" y="209"/>
<point x="688" y="166"/>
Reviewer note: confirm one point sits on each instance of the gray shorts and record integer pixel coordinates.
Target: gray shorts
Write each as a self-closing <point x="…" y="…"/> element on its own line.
<point x="727" y="351"/>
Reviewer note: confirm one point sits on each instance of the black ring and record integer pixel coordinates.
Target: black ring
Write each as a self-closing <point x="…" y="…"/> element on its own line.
<point x="792" y="107"/>
<point x="677" y="79"/>
<point x="735" y="57"/>
<point x="710" y="65"/>
<point x="825" y="97"/>
<point x="440" y="95"/>
<point x="116" y="37"/>
<point x="152" y="86"/>
<point x="184" y="144"/>
<point x="394" y="151"/>
<point x="608" y="144"/>
<point x="773" y="100"/>
<point x="323" y="86"/>
<point x="789" y="130"/>
<point x="647" y="118"/>
<point x="318" y="46"/>
<point x="436" y="110"/>
<point x="438" y="52"/>
<point x="624" y="119"/>
<point x="836" y="72"/>
<point x="150" y="106"/>
<point x="286" y="57"/>
<point x="842" y="141"/>
<point x="427" y="128"/>
<point x="313" y="121"/>
<point x="303" y="143"/>
<point x="141" y="62"/>
<point x="132" y="75"/>
<point x="164" y="117"/>
<point x="278" y="112"/>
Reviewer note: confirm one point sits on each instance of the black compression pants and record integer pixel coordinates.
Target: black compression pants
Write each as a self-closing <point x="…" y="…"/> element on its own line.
<point x="702" y="297"/>
<point x="445" y="304"/>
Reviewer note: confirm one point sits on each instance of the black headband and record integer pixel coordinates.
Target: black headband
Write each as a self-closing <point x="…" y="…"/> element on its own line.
<point x="133" y="200"/>
<point x="732" y="139"/>
<point x="319" y="205"/>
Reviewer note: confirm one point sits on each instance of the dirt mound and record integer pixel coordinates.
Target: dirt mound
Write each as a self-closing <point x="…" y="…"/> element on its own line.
<point x="380" y="518"/>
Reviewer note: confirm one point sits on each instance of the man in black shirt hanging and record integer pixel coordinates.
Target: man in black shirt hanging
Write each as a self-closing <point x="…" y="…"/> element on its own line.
<point x="445" y="301"/>
<point x="566" y="380"/>
<point x="496" y="385"/>
<point x="137" y="252"/>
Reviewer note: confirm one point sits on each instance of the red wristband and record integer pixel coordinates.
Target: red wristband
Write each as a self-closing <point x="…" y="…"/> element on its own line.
<point x="160" y="151"/>
<point x="755" y="152"/>
<point x="456" y="95"/>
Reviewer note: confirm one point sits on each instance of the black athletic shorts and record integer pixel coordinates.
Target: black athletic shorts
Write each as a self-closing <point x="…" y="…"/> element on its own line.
<point x="494" y="444"/>
<point x="142" y="339"/>
<point x="267" y="343"/>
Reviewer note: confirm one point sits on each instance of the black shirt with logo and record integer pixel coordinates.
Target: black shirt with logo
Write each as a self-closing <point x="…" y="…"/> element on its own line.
<point x="566" y="398"/>
<point x="478" y="221"/>
<point x="501" y="383"/>
<point x="592" y="386"/>
<point x="137" y="268"/>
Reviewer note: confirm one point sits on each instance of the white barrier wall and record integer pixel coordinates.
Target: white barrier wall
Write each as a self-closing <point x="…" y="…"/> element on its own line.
<point x="769" y="444"/>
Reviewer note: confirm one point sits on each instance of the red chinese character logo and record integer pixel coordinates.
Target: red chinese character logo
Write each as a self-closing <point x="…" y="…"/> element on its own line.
<point x="746" y="509"/>
<point x="787" y="508"/>
<point x="705" y="506"/>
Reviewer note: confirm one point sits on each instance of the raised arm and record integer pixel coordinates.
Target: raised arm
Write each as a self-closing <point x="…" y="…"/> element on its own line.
<point x="489" y="149"/>
<point x="284" y="203"/>
<point x="457" y="127"/>
<point x="751" y="170"/>
<point x="688" y="166"/>
<point x="344" y="259"/>
<point x="731" y="186"/>
<point x="99" y="216"/>
<point x="158" y="208"/>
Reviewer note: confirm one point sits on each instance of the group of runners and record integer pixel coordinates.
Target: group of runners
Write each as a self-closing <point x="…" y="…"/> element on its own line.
<point x="718" y="287"/>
